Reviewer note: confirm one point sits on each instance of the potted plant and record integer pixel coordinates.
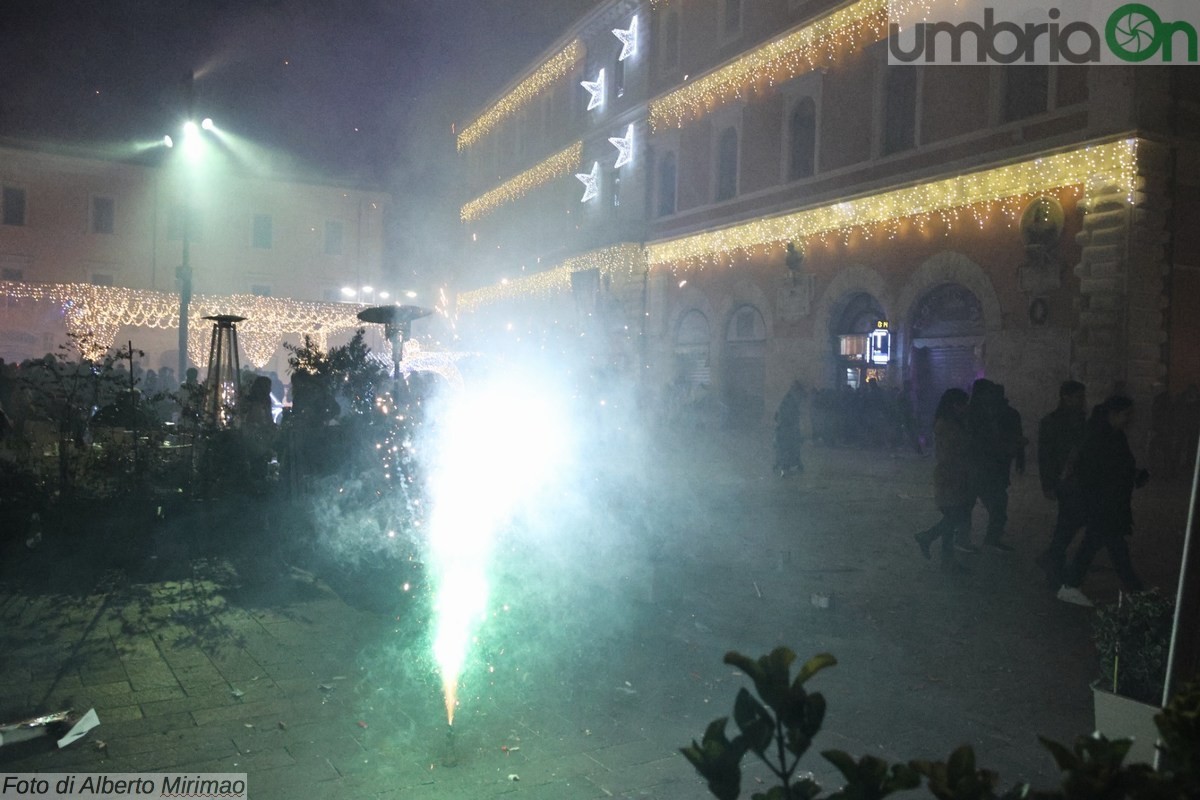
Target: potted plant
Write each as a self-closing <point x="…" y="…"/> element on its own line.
<point x="1133" y="637"/>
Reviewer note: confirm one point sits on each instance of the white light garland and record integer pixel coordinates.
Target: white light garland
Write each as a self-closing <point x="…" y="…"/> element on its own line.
<point x="556" y="166"/>
<point x="102" y="311"/>
<point x="976" y="193"/>
<point x="626" y="259"/>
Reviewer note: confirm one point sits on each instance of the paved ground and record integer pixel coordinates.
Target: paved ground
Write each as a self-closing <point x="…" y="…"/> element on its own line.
<point x="216" y="649"/>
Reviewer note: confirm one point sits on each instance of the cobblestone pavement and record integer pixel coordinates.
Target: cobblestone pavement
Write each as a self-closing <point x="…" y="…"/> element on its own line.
<point x="201" y="662"/>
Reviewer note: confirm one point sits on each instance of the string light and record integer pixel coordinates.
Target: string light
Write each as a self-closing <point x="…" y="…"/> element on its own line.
<point x="102" y="311"/>
<point x="545" y="76"/>
<point x="625" y="258"/>
<point x="809" y="47"/>
<point x="939" y="201"/>
<point x="591" y="182"/>
<point x="556" y="166"/>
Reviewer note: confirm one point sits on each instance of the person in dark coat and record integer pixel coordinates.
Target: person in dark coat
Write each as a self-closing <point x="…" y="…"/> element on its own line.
<point x="951" y="484"/>
<point x="1060" y="434"/>
<point x="1108" y="475"/>
<point x="787" y="431"/>
<point x="991" y="461"/>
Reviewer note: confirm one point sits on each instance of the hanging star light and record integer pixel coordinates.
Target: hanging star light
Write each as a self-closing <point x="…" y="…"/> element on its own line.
<point x="624" y="147"/>
<point x="628" y="39"/>
<point x="591" y="182"/>
<point x="596" y="90"/>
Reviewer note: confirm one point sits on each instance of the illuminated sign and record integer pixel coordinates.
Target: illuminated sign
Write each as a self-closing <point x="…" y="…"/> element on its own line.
<point x="881" y="343"/>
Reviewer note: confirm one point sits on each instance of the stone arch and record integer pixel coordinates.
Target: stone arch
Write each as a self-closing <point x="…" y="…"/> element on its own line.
<point x="847" y="282"/>
<point x="943" y="268"/>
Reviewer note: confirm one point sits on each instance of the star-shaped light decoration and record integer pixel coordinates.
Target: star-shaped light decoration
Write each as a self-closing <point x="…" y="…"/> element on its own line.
<point x="628" y="39"/>
<point x="591" y="182"/>
<point x="624" y="147"/>
<point x="596" y="90"/>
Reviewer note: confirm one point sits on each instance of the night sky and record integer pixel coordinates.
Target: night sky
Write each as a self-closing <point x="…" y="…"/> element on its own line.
<point x="341" y="84"/>
<point x="362" y="90"/>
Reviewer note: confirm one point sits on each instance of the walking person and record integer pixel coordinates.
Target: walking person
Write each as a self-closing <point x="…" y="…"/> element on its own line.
<point x="951" y="485"/>
<point x="992" y="456"/>
<point x="1108" y="475"/>
<point x="787" y="431"/>
<point x="1060" y="435"/>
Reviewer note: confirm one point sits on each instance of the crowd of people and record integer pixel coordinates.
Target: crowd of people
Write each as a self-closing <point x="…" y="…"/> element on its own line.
<point x="1085" y="464"/>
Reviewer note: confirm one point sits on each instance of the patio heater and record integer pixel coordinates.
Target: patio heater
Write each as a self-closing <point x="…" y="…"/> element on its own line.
<point x="397" y="327"/>
<point x="222" y="387"/>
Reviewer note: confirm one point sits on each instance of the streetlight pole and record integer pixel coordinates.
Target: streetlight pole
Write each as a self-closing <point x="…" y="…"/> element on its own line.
<point x="185" y="267"/>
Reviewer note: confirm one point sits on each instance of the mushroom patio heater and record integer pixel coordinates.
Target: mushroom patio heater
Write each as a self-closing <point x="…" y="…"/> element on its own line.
<point x="221" y="389"/>
<point x="397" y="327"/>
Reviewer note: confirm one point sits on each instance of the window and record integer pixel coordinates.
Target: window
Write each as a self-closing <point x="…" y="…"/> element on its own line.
<point x="1026" y="90"/>
<point x="802" y="139"/>
<point x="261" y="237"/>
<point x="12" y="274"/>
<point x="260" y="290"/>
<point x="103" y="214"/>
<point x="727" y="157"/>
<point x="619" y="78"/>
<point x="670" y="39"/>
<point x="102" y="279"/>
<point x="185" y="220"/>
<point x="333" y="238"/>
<point x="666" y="185"/>
<point x="616" y="188"/>
<point x="731" y="20"/>
<point x="899" y="109"/>
<point x="14" y="206"/>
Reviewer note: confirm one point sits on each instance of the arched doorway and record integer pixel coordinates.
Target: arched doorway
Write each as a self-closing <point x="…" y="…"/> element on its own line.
<point x="947" y="335"/>
<point x="860" y="341"/>
<point x="745" y="367"/>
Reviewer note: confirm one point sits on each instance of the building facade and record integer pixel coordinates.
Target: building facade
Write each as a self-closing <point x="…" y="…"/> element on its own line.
<point x="758" y="196"/>
<point x="93" y="244"/>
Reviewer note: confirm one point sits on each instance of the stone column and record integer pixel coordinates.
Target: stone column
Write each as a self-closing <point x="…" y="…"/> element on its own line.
<point x="1119" y="337"/>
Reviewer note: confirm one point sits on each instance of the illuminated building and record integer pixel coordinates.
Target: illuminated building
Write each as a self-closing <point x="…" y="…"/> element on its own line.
<point x="91" y="241"/>
<point x="792" y="206"/>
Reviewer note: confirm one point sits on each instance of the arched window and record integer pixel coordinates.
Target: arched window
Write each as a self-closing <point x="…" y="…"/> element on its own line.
<point x="899" y="109"/>
<point x="802" y="136"/>
<point x="727" y="157"/>
<point x="666" y="185"/>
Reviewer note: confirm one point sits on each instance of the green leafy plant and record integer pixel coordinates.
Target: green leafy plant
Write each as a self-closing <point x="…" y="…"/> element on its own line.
<point x="779" y="725"/>
<point x="1133" y="637"/>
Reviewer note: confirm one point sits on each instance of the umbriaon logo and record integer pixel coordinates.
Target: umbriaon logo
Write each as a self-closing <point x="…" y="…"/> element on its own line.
<point x="1077" y="33"/>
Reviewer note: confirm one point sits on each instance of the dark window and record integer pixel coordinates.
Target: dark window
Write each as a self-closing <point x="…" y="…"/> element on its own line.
<point x="181" y="218"/>
<point x="261" y="239"/>
<point x="733" y="17"/>
<point x="727" y="156"/>
<point x="802" y="135"/>
<point x="1026" y="90"/>
<point x="671" y="39"/>
<point x="12" y="274"/>
<point x="619" y="78"/>
<point x="14" y="206"/>
<point x="616" y="188"/>
<point x="103" y="214"/>
<point x="899" y="109"/>
<point x="260" y="290"/>
<point x="666" y="185"/>
<point x="333" y="238"/>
